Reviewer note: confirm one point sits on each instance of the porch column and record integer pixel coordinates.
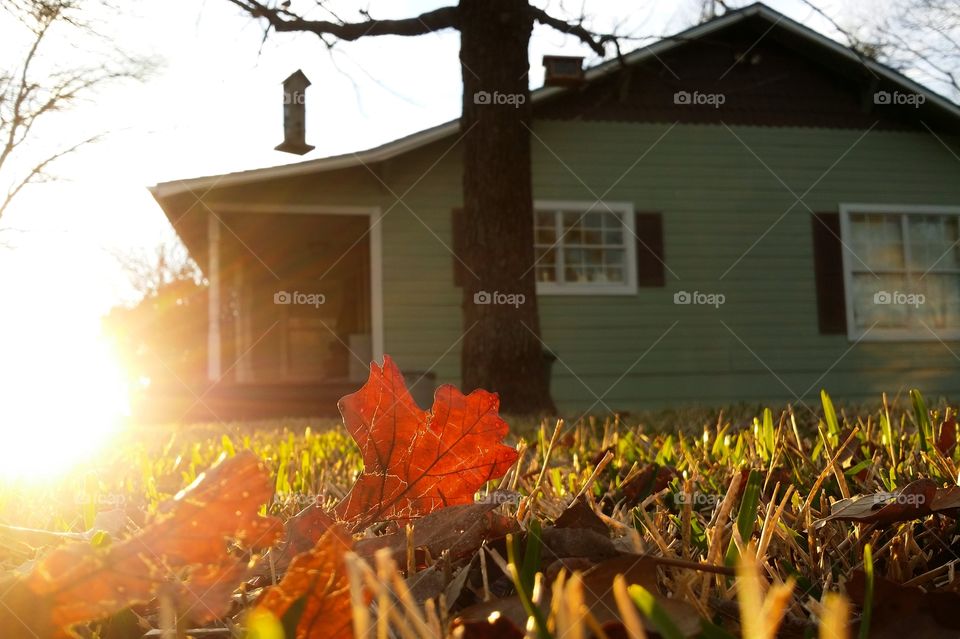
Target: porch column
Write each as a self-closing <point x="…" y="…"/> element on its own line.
<point x="213" y="298"/>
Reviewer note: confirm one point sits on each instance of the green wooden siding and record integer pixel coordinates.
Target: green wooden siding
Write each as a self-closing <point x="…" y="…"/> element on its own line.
<point x="717" y="198"/>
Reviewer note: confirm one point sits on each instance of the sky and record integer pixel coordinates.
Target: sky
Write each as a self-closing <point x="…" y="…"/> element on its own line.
<point x="212" y="105"/>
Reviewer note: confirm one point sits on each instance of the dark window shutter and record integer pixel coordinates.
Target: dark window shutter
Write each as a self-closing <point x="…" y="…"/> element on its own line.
<point x="650" y="267"/>
<point x="457" y="221"/>
<point x="828" y="273"/>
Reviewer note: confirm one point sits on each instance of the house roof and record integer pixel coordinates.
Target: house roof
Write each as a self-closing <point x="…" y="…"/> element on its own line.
<point x="433" y="134"/>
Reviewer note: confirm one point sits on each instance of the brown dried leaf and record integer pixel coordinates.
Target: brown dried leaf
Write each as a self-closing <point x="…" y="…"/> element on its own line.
<point x="905" y="611"/>
<point x="186" y="546"/>
<point x="913" y="501"/>
<point x="458" y="530"/>
<point x="319" y="577"/>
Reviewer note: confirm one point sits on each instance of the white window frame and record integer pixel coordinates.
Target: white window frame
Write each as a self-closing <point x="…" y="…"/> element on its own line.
<point x="626" y="212"/>
<point x="850" y="260"/>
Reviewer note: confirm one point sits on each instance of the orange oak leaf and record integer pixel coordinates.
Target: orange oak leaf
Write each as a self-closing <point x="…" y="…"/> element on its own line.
<point x="319" y="578"/>
<point x="184" y="550"/>
<point x="415" y="462"/>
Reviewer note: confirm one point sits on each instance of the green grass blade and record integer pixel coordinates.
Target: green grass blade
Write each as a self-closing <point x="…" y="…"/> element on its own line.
<point x="923" y="419"/>
<point x="648" y="605"/>
<point x="747" y="517"/>
<point x="531" y="557"/>
<point x="829" y="414"/>
<point x="868" y="593"/>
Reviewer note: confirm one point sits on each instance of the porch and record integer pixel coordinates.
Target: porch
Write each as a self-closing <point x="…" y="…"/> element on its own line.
<point x="293" y="312"/>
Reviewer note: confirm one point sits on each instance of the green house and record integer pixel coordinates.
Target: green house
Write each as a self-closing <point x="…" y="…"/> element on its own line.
<point x="746" y="211"/>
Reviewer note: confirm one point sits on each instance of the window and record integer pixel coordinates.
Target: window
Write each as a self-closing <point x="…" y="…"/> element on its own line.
<point x="585" y="248"/>
<point x="902" y="271"/>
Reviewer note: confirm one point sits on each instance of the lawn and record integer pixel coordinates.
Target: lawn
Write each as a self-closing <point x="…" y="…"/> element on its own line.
<point x="685" y="523"/>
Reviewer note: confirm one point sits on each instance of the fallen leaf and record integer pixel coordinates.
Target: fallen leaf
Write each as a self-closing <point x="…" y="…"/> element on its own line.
<point x="580" y="515"/>
<point x="648" y="481"/>
<point x="907" y="611"/>
<point x="189" y="538"/>
<point x="559" y="543"/>
<point x="946" y="499"/>
<point x="913" y="501"/>
<point x="318" y="578"/>
<point x="458" y="530"/>
<point x="416" y="462"/>
<point x="301" y="533"/>
<point x="947" y="440"/>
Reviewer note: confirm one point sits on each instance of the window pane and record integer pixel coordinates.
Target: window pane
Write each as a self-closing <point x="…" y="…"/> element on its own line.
<point x="877" y="241"/>
<point x="611" y="236"/>
<point x="546" y="273"/>
<point x="615" y="257"/>
<point x="940" y="306"/>
<point x="593" y="236"/>
<point x="593" y="257"/>
<point x="572" y="225"/>
<point x="875" y="301"/>
<point x="546" y="256"/>
<point x="574" y="274"/>
<point x="933" y="240"/>
<point x="615" y="275"/>
<point x="573" y="257"/>
<point x="594" y="220"/>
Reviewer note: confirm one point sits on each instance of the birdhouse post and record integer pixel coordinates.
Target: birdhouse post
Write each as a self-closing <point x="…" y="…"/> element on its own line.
<point x="295" y="114"/>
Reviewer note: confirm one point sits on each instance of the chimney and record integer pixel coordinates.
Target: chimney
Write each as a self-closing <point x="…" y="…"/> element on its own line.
<point x="563" y="70"/>
<point x="295" y="115"/>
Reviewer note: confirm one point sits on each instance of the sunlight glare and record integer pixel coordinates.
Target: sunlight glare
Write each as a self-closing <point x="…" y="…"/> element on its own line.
<point x="57" y="408"/>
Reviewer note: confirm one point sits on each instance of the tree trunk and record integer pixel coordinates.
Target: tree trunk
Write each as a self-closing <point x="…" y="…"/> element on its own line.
<point x="502" y="350"/>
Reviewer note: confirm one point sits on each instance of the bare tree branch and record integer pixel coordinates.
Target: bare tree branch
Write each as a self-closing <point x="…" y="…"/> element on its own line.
<point x="36" y="173"/>
<point x="281" y="19"/>
<point x="592" y="40"/>
<point x="26" y="100"/>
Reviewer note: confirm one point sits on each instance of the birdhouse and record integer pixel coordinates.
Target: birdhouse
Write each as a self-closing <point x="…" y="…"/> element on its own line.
<point x="295" y="114"/>
<point x="562" y="70"/>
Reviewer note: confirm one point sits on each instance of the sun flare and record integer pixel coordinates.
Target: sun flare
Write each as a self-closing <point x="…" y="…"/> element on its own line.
<point x="59" y="407"/>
